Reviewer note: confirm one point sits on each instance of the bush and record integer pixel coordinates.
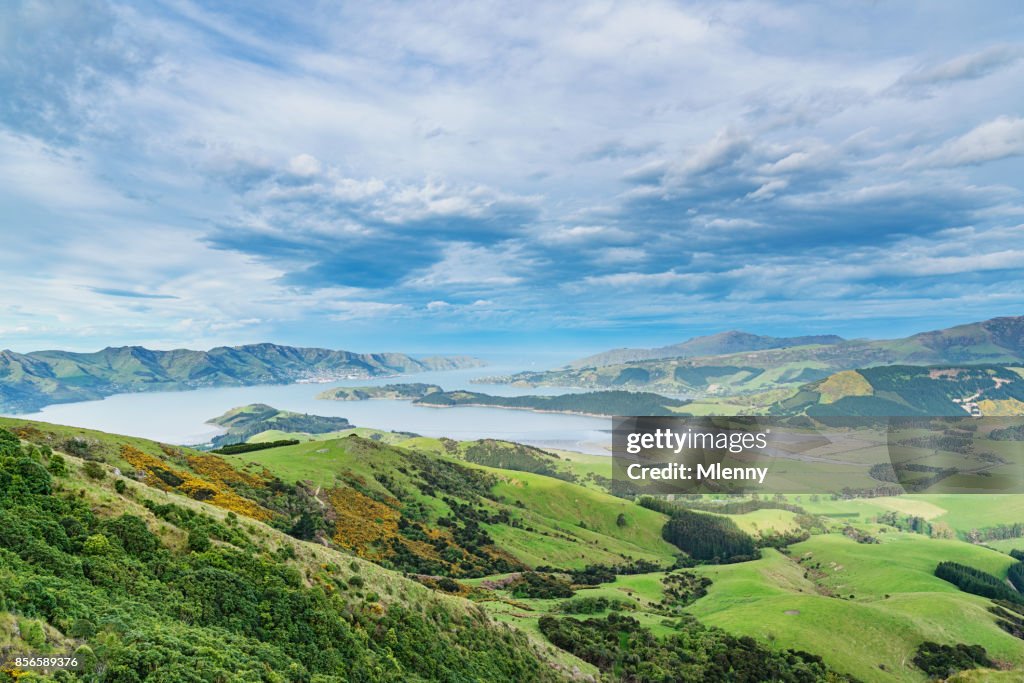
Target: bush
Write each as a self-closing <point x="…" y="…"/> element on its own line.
<point x="943" y="661"/>
<point x="120" y="486"/>
<point x="94" y="470"/>
<point x="534" y="585"/>
<point x="28" y="476"/>
<point x="57" y="465"/>
<point x="198" y="541"/>
<point x="448" y="585"/>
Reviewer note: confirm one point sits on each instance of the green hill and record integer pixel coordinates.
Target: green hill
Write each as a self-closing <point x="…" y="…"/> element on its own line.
<point x="248" y="421"/>
<point x="354" y="559"/>
<point x="139" y="583"/>
<point x="956" y="390"/>
<point x="33" y="380"/>
<point x="996" y="341"/>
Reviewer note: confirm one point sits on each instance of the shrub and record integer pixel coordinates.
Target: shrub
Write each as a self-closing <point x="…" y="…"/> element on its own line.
<point x="448" y="585"/>
<point x="57" y="465"/>
<point x="198" y="541"/>
<point x="94" y="470"/>
<point x="535" y="585"/>
<point x="943" y="661"/>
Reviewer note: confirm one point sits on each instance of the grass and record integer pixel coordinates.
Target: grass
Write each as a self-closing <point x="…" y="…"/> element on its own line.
<point x="770" y="599"/>
<point x="554" y="509"/>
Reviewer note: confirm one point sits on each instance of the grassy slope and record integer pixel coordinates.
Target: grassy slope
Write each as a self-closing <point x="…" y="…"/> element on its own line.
<point x="312" y="559"/>
<point x="549" y="505"/>
<point x="750" y="598"/>
<point x="859" y="634"/>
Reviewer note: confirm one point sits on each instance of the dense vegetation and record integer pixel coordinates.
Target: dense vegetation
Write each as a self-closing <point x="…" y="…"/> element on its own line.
<point x="537" y="585"/>
<point x="942" y="661"/>
<point x="736" y="507"/>
<point x="137" y="609"/>
<point x="704" y="537"/>
<point x="591" y="605"/>
<point x="517" y="457"/>
<point x="1014" y="433"/>
<point x="971" y="580"/>
<point x="236" y="448"/>
<point x="1015" y="574"/>
<point x="692" y="653"/>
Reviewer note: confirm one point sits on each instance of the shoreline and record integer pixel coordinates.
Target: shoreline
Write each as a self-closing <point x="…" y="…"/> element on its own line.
<point x="528" y="409"/>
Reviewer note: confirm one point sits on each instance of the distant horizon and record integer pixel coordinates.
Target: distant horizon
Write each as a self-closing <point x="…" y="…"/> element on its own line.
<point x="566" y="352"/>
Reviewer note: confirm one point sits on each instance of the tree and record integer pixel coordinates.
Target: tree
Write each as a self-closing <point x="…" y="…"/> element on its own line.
<point x="30" y="477"/>
<point x="198" y="541"/>
<point x="57" y="465"/>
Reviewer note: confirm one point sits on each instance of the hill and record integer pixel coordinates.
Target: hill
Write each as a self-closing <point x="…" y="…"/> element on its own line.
<point x="722" y="343"/>
<point x="145" y="558"/>
<point x="899" y="390"/>
<point x="996" y="341"/>
<point x="31" y="381"/>
<point x="245" y="422"/>
<point x="143" y="583"/>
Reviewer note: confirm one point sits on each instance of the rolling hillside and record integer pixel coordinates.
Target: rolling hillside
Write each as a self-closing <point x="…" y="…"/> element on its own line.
<point x="33" y="380"/>
<point x="138" y="582"/>
<point x="898" y="390"/>
<point x="187" y="548"/>
<point x="1000" y="340"/>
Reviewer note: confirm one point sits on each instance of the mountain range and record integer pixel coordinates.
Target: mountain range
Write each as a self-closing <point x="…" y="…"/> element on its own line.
<point x="999" y="340"/>
<point x="718" y="344"/>
<point x="31" y="381"/>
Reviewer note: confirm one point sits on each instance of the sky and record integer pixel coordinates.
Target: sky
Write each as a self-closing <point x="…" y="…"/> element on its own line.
<point x="518" y="177"/>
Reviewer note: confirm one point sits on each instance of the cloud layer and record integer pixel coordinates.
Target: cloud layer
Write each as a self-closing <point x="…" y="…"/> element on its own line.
<point x="396" y="175"/>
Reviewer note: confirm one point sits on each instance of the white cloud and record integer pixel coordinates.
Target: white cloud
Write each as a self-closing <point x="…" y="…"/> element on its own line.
<point x="997" y="139"/>
<point x="305" y="165"/>
<point x="465" y="266"/>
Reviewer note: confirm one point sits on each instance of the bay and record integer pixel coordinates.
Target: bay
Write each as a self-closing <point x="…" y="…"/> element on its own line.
<point x="180" y="417"/>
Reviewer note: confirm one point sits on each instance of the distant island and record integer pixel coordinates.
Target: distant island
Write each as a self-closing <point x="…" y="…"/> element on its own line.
<point x="597" y="403"/>
<point x="31" y="381"/>
<point x="385" y="391"/>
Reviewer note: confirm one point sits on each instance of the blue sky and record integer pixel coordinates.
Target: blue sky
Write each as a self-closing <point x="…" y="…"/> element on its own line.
<point x="506" y="176"/>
